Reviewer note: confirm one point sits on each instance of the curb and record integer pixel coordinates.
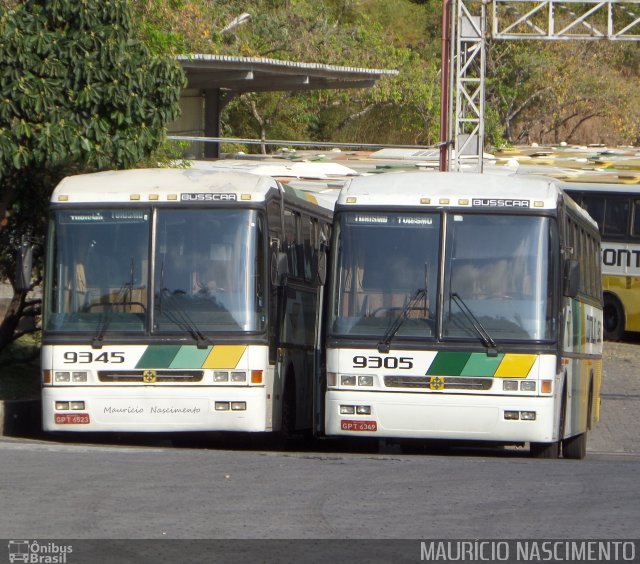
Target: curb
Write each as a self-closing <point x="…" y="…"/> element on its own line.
<point x="20" y="418"/>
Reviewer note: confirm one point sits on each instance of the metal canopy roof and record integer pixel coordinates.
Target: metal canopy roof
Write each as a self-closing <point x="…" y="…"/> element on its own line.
<point x="252" y="74"/>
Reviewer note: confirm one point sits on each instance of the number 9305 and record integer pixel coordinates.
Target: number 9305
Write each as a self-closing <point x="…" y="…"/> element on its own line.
<point x="389" y="362"/>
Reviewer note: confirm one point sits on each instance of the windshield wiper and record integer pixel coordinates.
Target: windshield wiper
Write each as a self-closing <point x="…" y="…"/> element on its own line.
<point x="96" y="342"/>
<point x="487" y="340"/>
<point x="385" y="342"/>
<point x="182" y="318"/>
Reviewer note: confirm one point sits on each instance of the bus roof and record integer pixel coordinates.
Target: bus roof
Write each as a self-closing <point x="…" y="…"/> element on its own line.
<point x="410" y="188"/>
<point x="456" y="189"/>
<point x="170" y="185"/>
<point x="604" y="187"/>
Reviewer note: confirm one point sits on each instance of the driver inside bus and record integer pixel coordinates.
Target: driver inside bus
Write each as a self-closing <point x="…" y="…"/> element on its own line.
<point x="205" y="280"/>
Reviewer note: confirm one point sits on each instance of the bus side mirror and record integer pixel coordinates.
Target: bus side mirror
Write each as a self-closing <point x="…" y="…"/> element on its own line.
<point x="279" y="268"/>
<point x="24" y="265"/>
<point x="571" y="281"/>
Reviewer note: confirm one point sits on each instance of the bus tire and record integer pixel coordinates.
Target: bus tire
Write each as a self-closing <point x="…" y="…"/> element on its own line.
<point x="545" y="450"/>
<point x="575" y="447"/>
<point x="613" y="318"/>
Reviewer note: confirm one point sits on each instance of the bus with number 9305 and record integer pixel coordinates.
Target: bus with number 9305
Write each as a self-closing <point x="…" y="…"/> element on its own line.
<point x="463" y="307"/>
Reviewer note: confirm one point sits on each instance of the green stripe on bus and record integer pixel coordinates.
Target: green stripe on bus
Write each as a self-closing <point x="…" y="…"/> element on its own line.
<point x="158" y="356"/>
<point x="482" y="365"/>
<point x="448" y="364"/>
<point x="190" y="357"/>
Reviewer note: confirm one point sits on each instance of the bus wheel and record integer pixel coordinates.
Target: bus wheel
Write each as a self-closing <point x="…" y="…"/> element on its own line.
<point x="575" y="447"/>
<point x="545" y="450"/>
<point x="551" y="450"/>
<point x="613" y="318"/>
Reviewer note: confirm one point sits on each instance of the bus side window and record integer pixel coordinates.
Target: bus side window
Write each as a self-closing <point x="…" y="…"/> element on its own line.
<point x="291" y="239"/>
<point x="595" y="208"/>
<point x="307" y="245"/>
<point x="635" y="229"/>
<point x="616" y="217"/>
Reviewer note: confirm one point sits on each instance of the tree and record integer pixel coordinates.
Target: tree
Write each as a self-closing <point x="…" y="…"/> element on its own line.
<point x="77" y="92"/>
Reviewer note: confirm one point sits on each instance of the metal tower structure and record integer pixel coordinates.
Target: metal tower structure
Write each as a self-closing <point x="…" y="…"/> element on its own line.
<point x="471" y="22"/>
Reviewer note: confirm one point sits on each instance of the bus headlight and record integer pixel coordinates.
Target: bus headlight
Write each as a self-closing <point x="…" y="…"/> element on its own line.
<point x="220" y="376"/>
<point x="528" y="386"/>
<point x="62" y="376"/>
<point x="347" y="409"/>
<point x="365" y="380"/>
<point x="238" y="376"/>
<point x="78" y="376"/>
<point x="510" y="385"/>
<point x="347" y="380"/>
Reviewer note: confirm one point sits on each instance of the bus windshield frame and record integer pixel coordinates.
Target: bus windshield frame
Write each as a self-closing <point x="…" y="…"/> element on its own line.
<point x="444" y="276"/>
<point x="155" y="271"/>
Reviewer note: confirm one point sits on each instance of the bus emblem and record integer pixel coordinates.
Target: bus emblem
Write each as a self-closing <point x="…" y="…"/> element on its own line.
<point x="149" y="376"/>
<point x="436" y="383"/>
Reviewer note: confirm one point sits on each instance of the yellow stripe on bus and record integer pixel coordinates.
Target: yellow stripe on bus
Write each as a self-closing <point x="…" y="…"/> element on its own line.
<point x="224" y="356"/>
<point x="515" y="365"/>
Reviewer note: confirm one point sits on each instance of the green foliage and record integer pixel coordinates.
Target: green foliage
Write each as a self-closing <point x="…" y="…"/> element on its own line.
<point x="20" y="369"/>
<point x="354" y="33"/>
<point x="76" y="88"/>
<point x="78" y="92"/>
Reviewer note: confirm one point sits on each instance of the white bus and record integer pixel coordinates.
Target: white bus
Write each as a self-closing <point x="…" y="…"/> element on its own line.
<point x="180" y="300"/>
<point x="463" y="307"/>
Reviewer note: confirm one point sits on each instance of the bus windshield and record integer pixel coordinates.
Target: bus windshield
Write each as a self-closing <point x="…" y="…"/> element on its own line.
<point x="382" y="261"/>
<point x="500" y="271"/>
<point x="208" y="271"/>
<point x="499" y="277"/>
<point x="209" y="268"/>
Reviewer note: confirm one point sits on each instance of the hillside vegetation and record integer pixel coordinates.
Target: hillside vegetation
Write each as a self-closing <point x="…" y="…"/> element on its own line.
<point x="545" y="92"/>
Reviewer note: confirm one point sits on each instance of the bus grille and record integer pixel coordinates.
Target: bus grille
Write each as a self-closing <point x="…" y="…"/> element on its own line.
<point x="160" y="376"/>
<point x="450" y="382"/>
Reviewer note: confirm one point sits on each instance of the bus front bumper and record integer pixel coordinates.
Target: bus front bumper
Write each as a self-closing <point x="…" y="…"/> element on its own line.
<point x="441" y="416"/>
<point x="154" y="409"/>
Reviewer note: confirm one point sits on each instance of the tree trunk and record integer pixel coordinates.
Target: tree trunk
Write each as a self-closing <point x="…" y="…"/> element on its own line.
<point x="11" y="319"/>
<point x="6" y="197"/>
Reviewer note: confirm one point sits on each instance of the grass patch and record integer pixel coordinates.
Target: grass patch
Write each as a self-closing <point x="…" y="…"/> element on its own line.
<point x="20" y="369"/>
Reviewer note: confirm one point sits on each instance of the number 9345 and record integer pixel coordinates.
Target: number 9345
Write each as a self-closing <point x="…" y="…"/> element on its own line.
<point x="86" y="357"/>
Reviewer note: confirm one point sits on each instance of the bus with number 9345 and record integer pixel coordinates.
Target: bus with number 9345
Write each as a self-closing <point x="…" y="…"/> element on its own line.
<point x="180" y="300"/>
